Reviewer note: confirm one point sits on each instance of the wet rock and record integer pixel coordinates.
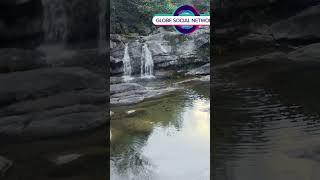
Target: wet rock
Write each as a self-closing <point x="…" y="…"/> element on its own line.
<point x="65" y="159"/>
<point x="170" y="50"/>
<point x="131" y="111"/>
<point x="115" y="80"/>
<point x="45" y="82"/>
<point x="309" y="53"/>
<point x="125" y="87"/>
<point x="275" y="56"/>
<point x="132" y="93"/>
<point x="196" y="79"/>
<point x="64" y="99"/>
<point x="60" y="56"/>
<point x="303" y="26"/>
<point x="203" y="70"/>
<point x="5" y="165"/>
<point x="256" y="38"/>
<point x="306" y="54"/>
<point x="312" y="153"/>
<point x="165" y="74"/>
<point x="51" y="102"/>
<point x="55" y="122"/>
<point x="12" y="60"/>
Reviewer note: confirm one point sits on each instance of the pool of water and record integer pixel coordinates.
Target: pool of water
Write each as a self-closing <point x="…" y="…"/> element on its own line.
<point x="258" y="136"/>
<point x="163" y="139"/>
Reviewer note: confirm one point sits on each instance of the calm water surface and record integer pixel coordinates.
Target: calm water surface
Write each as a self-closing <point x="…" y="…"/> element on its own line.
<point x="165" y="139"/>
<point x="259" y="137"/>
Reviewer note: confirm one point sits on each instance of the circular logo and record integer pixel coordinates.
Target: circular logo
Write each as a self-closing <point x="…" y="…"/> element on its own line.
<point x="186" y="10"/>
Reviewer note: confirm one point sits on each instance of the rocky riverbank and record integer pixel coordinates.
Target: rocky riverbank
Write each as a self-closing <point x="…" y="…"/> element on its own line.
<point x="51" y="68"/>
<point x="285" y="58"/>
<point x="43" y="97"/>
<point x="266" y="109"/>
<point x="172" y="55"/>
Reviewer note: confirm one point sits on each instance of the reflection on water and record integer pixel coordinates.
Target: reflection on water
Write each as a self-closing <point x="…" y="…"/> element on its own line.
<point x="257" y="136"/>
<point x="175" y="146"/>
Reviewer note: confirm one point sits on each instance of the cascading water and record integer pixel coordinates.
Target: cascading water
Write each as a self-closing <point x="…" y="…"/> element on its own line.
<point x="55" y="24"/>
<point x="147" y="65"/>
<point x="127" y="70"/>
<point x="103" y="27"/>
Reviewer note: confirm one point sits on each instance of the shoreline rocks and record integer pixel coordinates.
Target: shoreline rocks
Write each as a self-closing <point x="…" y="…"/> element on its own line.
<point x="51" y="91"/>
<point x="65" y="159"/>
<point x="5" y="165"/>
<point x="133" y="93"/>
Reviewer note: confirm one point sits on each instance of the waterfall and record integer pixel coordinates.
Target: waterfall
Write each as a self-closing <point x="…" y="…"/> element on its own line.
<point x="103" y="27"/>
<point x="127" y="70"/>
<point x="146" y="69"/>
<point x="55" y="21"/>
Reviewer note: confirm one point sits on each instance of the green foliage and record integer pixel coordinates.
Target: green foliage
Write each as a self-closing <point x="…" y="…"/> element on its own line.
<point x="134" y="15"/>
<point x="150" y="7"/>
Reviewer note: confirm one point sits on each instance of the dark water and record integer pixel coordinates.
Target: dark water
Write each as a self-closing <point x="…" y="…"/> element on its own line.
<point x="165" y="139"/>
<point x="258" y="137"/>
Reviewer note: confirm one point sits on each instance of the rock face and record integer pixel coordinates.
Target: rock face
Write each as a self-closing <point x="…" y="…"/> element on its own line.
<point x="304" y="25"/>
<point x="132" y="93"/>
<point x="47" y="89"/>
<point x="51" y="102"/>
<point x="308" y="53"/>
<point x="5" y="165"/>
<point x="60" y="56"/>
<point x="50" y="90"/>
<point x="169" y="50"/>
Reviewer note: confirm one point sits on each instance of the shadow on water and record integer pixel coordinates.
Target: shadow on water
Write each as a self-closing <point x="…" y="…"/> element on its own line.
<point x="257" y="136"/>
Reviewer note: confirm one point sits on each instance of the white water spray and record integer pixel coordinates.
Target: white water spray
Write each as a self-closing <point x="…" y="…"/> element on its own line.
<point x="127" y="70"/>
<point x="147" y="65"/>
